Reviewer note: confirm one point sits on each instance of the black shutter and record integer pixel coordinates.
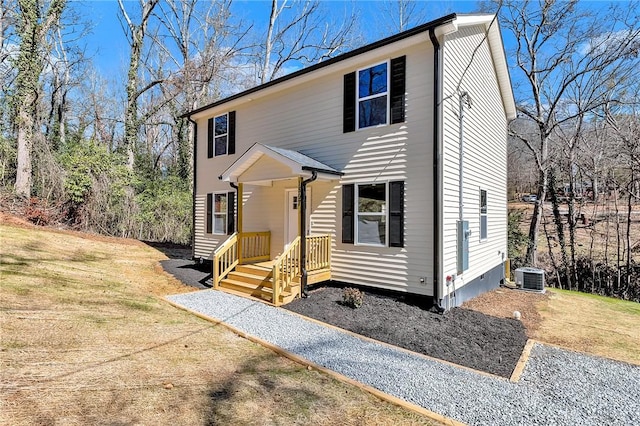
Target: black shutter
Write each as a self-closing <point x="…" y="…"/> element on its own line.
<point x="231" y="210"/>
<point x="396" y="214"/>
<point x="347" y="213"/>
<point x="210" y="138"/>
<point x="349" y="103"/>
<point x="232" y="132"/>
<point x="398" y="78"/>
<point x="209" y="212"/>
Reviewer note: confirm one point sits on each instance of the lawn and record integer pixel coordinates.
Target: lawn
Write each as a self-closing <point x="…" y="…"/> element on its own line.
<point x="86" y="338"/>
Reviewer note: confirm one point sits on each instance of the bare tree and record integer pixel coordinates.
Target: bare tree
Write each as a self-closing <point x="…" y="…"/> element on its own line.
<point x="395" y="16"/>
<point x="204" y="46"/>
<point x="560" y="46"/>
<point x="136" y="33"/>
<point x="300" y="31"/>
<point x="33" y="26"/>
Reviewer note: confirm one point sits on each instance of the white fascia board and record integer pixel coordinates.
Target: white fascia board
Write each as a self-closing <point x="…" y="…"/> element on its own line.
<point x="250" y="157"/>
<point x="494" y="39"/>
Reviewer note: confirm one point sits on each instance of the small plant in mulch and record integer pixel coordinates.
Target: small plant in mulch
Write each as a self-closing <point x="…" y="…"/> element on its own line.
<point x="352" y="297"/>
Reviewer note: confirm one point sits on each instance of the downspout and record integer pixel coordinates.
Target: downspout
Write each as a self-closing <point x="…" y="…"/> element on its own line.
<point x="193" y="195"/>
<point x="238" y="200"/>
<point x="303" y="231"/>
<point x="437" y="95"/>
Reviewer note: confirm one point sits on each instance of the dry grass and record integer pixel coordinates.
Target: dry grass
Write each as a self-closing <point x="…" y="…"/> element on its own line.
<point x="583" y="322"/>
<point x="594" y="324"/>
<point x="86" y="339"/>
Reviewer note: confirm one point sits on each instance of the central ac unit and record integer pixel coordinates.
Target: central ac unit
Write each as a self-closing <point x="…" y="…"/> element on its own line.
<point x="530" y="279"/>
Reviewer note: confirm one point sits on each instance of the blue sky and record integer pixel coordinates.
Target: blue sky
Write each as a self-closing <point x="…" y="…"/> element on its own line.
<point x="108" y="46"/>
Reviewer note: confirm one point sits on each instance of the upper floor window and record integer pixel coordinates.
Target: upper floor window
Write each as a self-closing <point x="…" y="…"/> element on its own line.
<point x="375" y="96"/>
<point x="221" y="134"/>
<point x="373" y="83"/>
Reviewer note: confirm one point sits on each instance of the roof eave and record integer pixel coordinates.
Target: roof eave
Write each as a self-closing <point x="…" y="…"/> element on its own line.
<point x="364" y="49"/>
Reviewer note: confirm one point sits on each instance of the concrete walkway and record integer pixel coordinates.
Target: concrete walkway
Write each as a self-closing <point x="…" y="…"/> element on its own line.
<point x="557" y="386"/>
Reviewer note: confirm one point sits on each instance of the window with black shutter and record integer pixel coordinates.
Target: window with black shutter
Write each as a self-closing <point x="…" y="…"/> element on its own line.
<point x="375" y="95"/>
<point x="221" y="136"/>
<point x="209" y="218"/>
<point x="347" y="213"/>
<point x="373" y="214"/>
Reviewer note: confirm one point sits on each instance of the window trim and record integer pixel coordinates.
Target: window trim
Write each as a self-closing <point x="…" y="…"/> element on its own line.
<point x="484" y="214"/>
<point x="357" y="213"/>
<point x="215" y="214"/>
<point x="226" y="135"/>
<point x="386" y="93"/>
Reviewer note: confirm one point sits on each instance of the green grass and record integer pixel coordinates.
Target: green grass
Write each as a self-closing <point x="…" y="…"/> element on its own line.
<point x="617" y="305"/>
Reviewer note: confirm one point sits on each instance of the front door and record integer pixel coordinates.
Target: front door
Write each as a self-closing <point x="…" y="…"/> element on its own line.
<point x="291" y="215"/>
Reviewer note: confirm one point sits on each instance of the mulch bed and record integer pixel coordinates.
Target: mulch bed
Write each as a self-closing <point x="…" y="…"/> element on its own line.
<point x="461" y="336"/>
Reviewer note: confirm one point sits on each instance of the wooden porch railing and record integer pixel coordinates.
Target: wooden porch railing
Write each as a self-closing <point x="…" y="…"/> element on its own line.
<point x="285" y="269"/>
<point x="225" y="258"/>
<point x="255" y="247"/>
<point x="318" y="248"/>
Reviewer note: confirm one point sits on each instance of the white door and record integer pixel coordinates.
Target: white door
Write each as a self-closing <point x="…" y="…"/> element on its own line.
<point x="291" y="215"/>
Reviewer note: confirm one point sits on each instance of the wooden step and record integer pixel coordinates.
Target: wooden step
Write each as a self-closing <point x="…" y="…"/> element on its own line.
<point x="250" y="278"/>
<point x="255" y="290"/>
<point x="256" y="270"/>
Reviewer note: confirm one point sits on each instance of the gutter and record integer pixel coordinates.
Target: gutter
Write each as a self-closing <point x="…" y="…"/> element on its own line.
<point x="193" y="194"/>
<point x="437" y="126"/>
<point x="302" y="203"/>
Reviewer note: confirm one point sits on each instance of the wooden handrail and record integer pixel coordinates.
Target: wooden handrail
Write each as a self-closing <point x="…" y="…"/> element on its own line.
<point x="255" y="247"/>
<point x="285" y="269"/>
<point x="318" y="252"/>
<point x="225" y="258"/>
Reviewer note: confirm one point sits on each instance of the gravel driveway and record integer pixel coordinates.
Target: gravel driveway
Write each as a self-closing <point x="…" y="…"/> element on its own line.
<point x="557" y="386"/>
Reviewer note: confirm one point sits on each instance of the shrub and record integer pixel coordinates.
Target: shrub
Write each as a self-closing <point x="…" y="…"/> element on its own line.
<point x="352" y="297"/>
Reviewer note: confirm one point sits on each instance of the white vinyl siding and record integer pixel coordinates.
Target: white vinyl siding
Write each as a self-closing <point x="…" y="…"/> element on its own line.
<point x="485" y="165"/>
<point x="308" y="118"/>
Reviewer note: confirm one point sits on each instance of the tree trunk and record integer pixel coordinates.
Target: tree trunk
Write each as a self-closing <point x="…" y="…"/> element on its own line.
<point x="25" y="145"/>
<point x="531" y="257"/>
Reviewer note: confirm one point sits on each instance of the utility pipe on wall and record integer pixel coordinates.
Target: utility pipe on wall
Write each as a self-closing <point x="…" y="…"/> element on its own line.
<point x="302" y="203"/>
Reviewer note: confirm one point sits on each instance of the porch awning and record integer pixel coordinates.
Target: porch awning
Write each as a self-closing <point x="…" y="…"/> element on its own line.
<point x="262" y="164"/>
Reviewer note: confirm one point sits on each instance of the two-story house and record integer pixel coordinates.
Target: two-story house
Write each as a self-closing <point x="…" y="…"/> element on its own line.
<point x="383" y="167"/>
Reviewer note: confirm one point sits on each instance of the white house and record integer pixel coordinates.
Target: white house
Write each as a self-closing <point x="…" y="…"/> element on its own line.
<point x="390" y="160"/>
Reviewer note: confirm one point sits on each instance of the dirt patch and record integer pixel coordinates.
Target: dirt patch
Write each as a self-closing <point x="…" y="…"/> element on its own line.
<point x="504" y="302"/>
<point x="462" y="336"/>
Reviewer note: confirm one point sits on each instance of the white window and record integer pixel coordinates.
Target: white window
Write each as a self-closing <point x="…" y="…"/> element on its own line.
<point x="221" y="134"/>
<point x="373" y="96"/>
<point x="371" y="214"/>
<point x="220" y="213"/>
<point x="483" y="214"/>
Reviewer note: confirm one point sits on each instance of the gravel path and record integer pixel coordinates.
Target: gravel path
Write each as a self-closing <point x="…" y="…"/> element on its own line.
<point x="557" y="387"/>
